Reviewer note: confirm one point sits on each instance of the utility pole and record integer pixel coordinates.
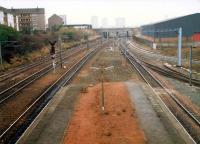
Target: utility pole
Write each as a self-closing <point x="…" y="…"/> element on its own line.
<point x="101" y="42"/>
<point x="87" y="43"/>
<point x="190" y="71"/>
<point x="60" y="46"/>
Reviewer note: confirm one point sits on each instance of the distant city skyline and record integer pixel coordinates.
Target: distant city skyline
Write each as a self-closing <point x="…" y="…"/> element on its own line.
<point x="95" y="21"/>
<point x="135" y="12"/>
<point x="104" y="22"/>
<point x="120" y="22"/>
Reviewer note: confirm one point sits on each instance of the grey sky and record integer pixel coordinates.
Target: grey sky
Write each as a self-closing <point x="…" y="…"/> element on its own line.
<point x="136" y="12"/>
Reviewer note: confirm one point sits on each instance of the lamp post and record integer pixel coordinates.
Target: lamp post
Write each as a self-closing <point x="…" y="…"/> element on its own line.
<point x="102" y="84"/>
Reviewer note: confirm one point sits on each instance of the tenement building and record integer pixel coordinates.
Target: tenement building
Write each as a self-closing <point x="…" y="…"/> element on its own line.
<point x="30" y="18"/>
<point x="9" y="19"/>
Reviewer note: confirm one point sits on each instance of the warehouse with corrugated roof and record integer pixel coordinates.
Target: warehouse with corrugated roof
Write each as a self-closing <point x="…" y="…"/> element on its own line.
<point x="190" y="25"/>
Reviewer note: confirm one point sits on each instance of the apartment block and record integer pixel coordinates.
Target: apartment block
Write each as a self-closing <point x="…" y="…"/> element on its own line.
<point x="30" y="18"/>
<point x="8" y="18"/>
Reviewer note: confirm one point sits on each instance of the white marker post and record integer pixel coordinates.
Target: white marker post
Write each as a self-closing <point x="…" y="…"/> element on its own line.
<point x="53" y="62"/>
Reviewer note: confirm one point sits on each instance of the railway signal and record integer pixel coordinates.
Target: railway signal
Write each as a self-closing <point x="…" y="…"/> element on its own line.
<point x="53" y="53"/>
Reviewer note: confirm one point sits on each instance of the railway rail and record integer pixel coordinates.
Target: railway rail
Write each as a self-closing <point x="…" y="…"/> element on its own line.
<point x="15" y="130"/>
<point x="26" y="67"/>
<point x="170" y="72"/>
<point x="11" y="91"/>
<point x="188" y="119"/>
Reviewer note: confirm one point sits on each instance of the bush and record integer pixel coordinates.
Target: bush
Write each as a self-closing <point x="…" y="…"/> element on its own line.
<point x="8" y="33"/>
<point x="7" y="37"/>
<point x="13" y="43"/>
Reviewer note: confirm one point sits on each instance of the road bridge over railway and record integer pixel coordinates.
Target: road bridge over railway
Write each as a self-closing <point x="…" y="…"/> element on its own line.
<point x="113" y="32"/>
<point x="87" y="26"/>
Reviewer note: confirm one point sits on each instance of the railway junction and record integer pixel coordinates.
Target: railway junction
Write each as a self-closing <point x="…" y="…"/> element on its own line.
<point x="108" y="91"/>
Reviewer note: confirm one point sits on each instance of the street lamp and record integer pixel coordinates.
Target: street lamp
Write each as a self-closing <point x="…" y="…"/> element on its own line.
<point x="102" y="83"/>
<point x="190" y="67"/>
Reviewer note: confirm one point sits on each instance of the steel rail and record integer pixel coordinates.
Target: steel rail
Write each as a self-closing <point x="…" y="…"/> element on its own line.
<point x="170" y="72"/>
<point x="138" y="67"/>
<point x="25" y="67"/>
<point x="11" y="91"/>
<point x="29" y="66"/>
<point x="159" y="83"/>
<point x="43" y="99"/>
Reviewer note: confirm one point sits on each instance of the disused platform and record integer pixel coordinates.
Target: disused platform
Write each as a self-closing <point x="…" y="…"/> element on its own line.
<point x="52" y="123"/>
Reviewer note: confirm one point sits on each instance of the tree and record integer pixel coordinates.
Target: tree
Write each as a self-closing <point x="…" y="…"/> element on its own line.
<point x="8" y="33"/>
<point x="7" y="36"/>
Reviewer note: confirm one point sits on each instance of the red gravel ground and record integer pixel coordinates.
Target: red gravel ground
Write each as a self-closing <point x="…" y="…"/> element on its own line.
<point x="117" y="125"/>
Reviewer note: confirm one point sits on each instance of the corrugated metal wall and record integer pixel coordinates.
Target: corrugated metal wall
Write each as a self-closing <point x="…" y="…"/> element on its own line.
<point x="196" y="37"/>
<point x="190" y="25"/>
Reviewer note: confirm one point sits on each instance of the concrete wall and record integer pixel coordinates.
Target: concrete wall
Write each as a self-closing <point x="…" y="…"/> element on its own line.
<point x="10" y="18"/>
<point x="1" y="17"/>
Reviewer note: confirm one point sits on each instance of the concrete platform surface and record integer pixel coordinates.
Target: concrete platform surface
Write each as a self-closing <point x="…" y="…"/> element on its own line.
<point x="50" y="125"/>
<point x="151" y="122"/>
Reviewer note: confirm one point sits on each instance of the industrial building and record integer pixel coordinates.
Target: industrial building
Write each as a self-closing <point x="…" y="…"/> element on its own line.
<point x="30" y="18"/>
<point x="190" y="25"/>
<point x="55" y="20"/>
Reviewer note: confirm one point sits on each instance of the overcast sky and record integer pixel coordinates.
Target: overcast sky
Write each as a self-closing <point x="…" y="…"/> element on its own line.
<point x="135" y="12"/>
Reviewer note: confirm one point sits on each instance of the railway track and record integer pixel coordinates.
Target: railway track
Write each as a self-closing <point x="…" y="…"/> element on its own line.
<point x="26" y="67"/>
<point x="171" y="73"/>
<point x="23" y="68"/>
<point x="188" y="119"/>
<point x="15" y="130"/>
<point x="14" y="89"/>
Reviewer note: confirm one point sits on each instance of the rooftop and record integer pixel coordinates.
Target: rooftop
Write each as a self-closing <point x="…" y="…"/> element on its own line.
<point x="170" y="19"/>
<point x="28" y="10"/>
